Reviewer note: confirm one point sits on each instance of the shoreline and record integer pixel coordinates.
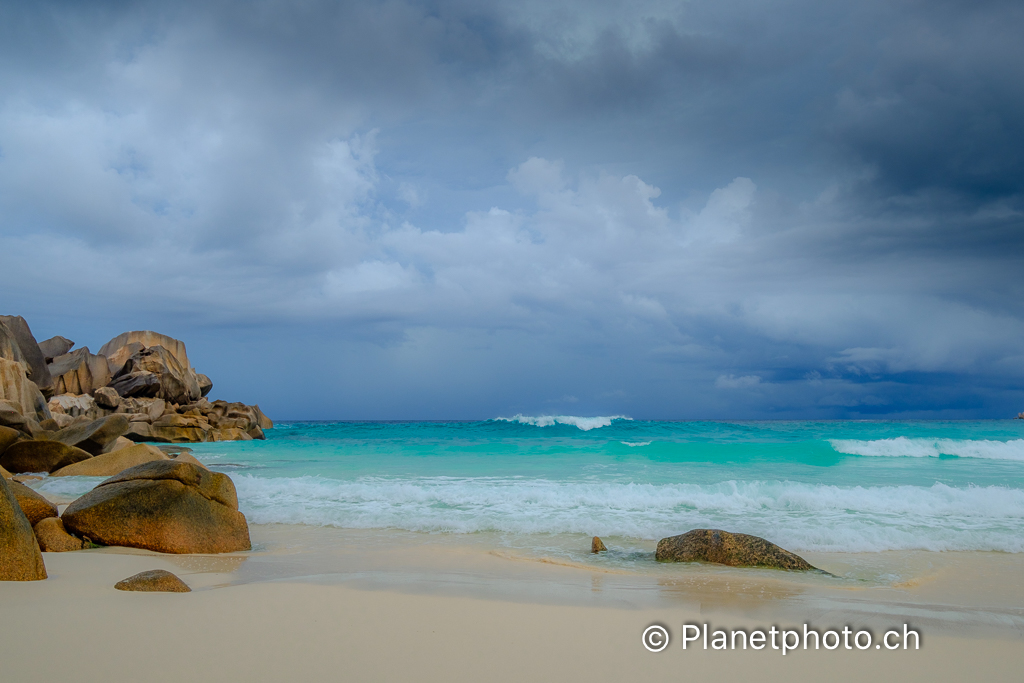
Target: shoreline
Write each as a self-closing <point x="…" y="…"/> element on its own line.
<point x="304" y="603"/>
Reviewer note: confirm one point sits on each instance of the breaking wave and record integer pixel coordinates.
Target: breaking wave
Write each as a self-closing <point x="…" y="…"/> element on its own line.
<point x="796" y="515"/>
<point x="584" y="423"/>
<point x="901" y="446"/>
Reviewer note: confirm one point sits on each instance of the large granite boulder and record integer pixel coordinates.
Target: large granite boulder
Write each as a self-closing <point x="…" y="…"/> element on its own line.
<point x="145" y="339"/>
<point x="166" y="506"/>
<point x="20" y="559"/>
<point x="38" y="455"/>
<point x="54" y="538"/>
<point x="55" y="346"/>
<point x="119" y="357"/>
<point x="21" y="392"/>
<point x="35" y="506"/>
<point x="722" y="547"/>
<point x="205" y="384"/>
<point x="8" y="435"/>
<point x="95" y="437"/>
<point x="115" y="462"/>
<point x="156" y="372"/>
<point x="155" y="580"/>
<point x="79" y="372"/>
<point x="37" y="369"/>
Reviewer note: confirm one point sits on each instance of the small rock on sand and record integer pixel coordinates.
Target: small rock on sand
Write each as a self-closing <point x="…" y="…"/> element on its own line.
<point x="155" y="580"/>
<point x="597" y="545"/>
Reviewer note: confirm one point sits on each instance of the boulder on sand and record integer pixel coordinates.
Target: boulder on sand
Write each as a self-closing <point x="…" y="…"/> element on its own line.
<point x="20" y="559"/>
<point x="155" y="580"/>
<point x="35" y="507"/>
<point x="597" y="545"/>
<point x="722" y="547"/>
<point x="115" y="462"/>
<point x="37" y="455"/>
<point x="166" y="506"/>
<point x="54" y="538"/>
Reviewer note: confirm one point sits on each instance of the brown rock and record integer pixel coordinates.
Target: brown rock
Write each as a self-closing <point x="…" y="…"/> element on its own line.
<point x="36" y="455"/>
<point x="187" y="457"/>
<point x="20" y="559"/>
<point x="115" y="462"/>
<point x="34" y="506"/>
<point x="20" y="395"/>
<point x="55" y="346"/>
<point x="54" y="538"/>
<point x="8" y="435"/>
<point x="166" y="506"/>
<point x="37" y="370"/>
<point x="205" y="384"/>
<point x="722" y="547"/>
<point x="233" y="434"/>
<point x="5" y="474"/>
<point x="155" y="580"/>
<point x="120" y="443"/>
<point x="262" y="420"/>
<point x="118" y="358"/>
<point x="597" y="545"/>
<point x="146" y="339"/>
<point x="156" y="372"/>
<point x="106" y="397"/>
<point x="79" y="372"/>
<point x="94" y="437"/>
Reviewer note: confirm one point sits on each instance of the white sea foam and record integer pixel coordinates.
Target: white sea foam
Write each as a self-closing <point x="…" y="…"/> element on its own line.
<point x="634" y="444"/>
<point x="901" y="446"/>
<point x="799" y="516"/>
<point x="584" y="423"/>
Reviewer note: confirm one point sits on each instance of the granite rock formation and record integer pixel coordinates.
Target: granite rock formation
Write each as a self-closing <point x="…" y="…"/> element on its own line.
<point x="143" y="375"/>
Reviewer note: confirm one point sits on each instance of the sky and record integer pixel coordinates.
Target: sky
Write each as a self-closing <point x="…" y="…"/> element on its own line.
<point x="740" y="209"/>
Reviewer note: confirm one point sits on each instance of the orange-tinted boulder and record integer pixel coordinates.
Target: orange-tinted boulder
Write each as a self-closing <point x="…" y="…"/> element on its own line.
<point x="20" y="559"/>
<point x="722" y="547"/>
<point x="34" y="505"/>
<point x="155" y="580"/>
<point x="54" y="538"/>
<point x="166" y="506"/>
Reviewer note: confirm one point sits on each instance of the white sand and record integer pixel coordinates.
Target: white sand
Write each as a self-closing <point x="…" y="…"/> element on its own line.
<point x="76" y="627"/>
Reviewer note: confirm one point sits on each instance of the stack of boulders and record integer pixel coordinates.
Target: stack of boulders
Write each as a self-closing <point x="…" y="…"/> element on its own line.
<point x="165" y="504"/>
<point x="143" y="376"/>
<point x="66" y="412"/>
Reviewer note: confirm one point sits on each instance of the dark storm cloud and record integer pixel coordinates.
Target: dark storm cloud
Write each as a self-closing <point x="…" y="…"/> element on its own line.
<point x="669" y="209"/>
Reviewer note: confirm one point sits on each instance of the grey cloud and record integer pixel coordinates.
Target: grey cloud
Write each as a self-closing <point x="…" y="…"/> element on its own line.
<point x="641" y="206"/>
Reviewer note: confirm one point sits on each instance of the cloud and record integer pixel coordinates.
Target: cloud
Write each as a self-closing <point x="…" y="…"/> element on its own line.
<point x="734" y="382"/>
<point x="608" y="201"/>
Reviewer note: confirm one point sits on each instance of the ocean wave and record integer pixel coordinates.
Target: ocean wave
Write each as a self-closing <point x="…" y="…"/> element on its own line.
<point x="634" y="444"/>
<point x="901" y="446"/>
<point x="583" y="423"/>
<point x="796" y="515"/>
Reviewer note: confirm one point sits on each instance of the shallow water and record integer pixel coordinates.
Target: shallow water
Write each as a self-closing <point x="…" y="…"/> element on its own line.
<point x="544" y="485"/>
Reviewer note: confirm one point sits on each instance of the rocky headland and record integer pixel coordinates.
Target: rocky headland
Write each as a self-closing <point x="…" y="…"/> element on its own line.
<point x="70" y="412"/>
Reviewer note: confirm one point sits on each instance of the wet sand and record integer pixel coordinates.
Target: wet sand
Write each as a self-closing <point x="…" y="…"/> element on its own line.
<point x="332" y="604"/>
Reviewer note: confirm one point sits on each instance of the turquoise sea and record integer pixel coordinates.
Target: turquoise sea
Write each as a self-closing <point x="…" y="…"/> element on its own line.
<point x="809" y="486"/>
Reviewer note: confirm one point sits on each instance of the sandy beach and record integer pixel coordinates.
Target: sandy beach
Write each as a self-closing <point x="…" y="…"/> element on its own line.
<point x="308" y="604"/>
